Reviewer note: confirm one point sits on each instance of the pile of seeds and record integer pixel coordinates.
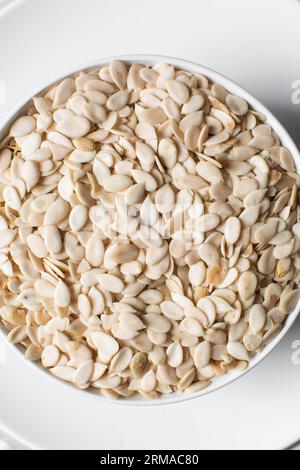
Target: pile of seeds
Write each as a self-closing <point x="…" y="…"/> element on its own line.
<point x="149" y="231"/>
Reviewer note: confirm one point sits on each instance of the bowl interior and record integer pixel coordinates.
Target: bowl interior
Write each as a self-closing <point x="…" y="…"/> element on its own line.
<point x="286" y="140"/>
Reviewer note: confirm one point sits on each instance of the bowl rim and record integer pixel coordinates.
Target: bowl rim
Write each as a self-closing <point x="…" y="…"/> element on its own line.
<point x="286" y="140"/>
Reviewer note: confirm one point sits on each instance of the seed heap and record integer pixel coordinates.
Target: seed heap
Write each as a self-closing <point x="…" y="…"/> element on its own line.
<point x="149" y="231"/>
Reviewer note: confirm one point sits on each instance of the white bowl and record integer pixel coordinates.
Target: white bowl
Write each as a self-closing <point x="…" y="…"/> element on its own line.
<point x="286" y="141"/>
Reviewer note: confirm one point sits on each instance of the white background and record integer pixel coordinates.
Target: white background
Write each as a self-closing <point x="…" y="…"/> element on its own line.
<point x="254" y="42"/>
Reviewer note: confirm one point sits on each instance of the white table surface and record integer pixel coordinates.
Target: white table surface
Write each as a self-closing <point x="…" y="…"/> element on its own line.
<point x="254" y="42"/>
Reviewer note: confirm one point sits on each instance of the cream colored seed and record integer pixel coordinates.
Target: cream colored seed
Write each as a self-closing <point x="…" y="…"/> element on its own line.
<point x="23" y="126"/>
<point x="247" y="285"/>
<point x="107" y="346"/>
<point x="232" y="230"/>
<point x="62" y="295"/>
<point x="84" y="373"/>
<point x="110" y="283"/>
<point x="178" y="91"/>
<point x="116" y="183"/>
<point x="56" y="212"/>
<point x="50" y="356"/>
<point x="52" y="239"/>
<point x="78" y="218"/>
<point x="12" y="198"/>
<point x="37" y="246"/>
<point x="95" y="251"/>
<point x="84" y="305"/>
<point x="74" y="126"/>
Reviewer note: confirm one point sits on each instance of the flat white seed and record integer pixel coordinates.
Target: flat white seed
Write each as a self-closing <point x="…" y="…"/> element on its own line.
<point x="97" y="301"/>
<point x="118" y="101"/>
<point x="146" y="155"/>
<point x="37" y="246"/>
<point x="65" y="188"/>
<point x="167" y="151"/>
<point x="250" y="215"/>
<point x="74" y="126"/>
<point x="174" y="355"/>
<point x="232" y="230"/>
<point x="135" y="194"/>
<point x="209" y="172"/>
<point x="44" y="288"/>
<point x="288" y="301"/>
<point x="149" y="75"/>
<point x="153" y="116"/>
<point x="166" y="375"/>
<point x="209" y="254"/>
<point x="31" y="174"/>
<point x="254" y="197"/>
<point x="5" y="159"/>
<point x="122" y="360"/>
<point x="284" y="250"/>
<point x="84" y="373"/>
<point x="207" y="222"/>
<point x="237" y="105"/>
<point x="178" y="91"/>
<point x="78" y="218"/>
<point x="64" y="373"/>
<point x="230" y="277"/>
<point x="23" y="126"/>
<point x="148" y="382"/>
<point x="99" y="371"/>
<point x="151" y="297"/>
<point x="12" y="198"/>
<point x="50" y="356"/>
<point x="120" y="254"/>
<point x="195" y="103"/>
<point x="52" y="239"/>
<point x="165" y="199"/>
<point x="63" y="92"/>
<point x="84" y="305"/>
<point x="118" y="73"/>
<point x="131" y="321"/>
<point x="192" y="327"/>
<point x="170" y="108"/>
<point x="116" y="183"/>
<point x="252" y="342"/>
<point x="281" y="238"/>
<point x="122" y="333"/>
<point x="157" y="323"/>
<point x="111" y="283"/>
<point x="172" y="311"/>
<point x="238" y="351"/>
<point x="95" y="251"/>
<point x="197" y="387"/>
<point x="56" y="212"/>
<point x="17" y="334"/>
<point x="202" y="355"/>
<point x="107" y="346"/>
<point x="95" y="113"/>
<point x="197" y="273"/>
<point x="247" y="284"/>
<point x="62" y="295"/>
<point x="257" y="318"/>
<point x="6" y="237"/>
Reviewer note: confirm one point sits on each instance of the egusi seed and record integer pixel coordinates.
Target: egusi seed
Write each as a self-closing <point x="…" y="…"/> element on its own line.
<point x="149" y="231"/>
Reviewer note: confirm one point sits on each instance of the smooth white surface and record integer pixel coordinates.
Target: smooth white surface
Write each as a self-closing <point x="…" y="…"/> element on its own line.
<point x="216" y="34"/>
